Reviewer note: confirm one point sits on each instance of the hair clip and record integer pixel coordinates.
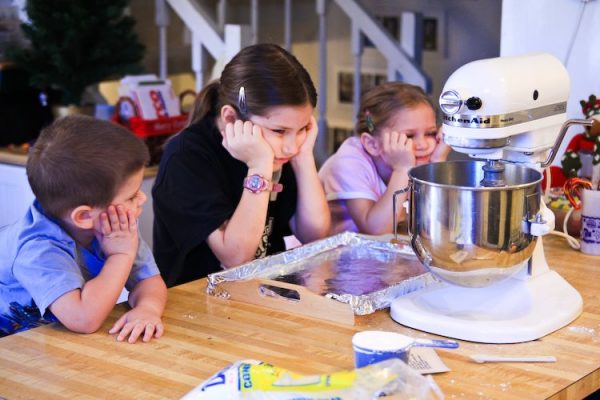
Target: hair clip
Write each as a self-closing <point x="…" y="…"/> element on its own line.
<point x="369" y="121"/>
<point x="242" y="106"/>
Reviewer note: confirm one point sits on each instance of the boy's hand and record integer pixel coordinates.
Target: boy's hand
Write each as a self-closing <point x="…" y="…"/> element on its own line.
<point x="441" y="150"/>
<point x="139" y="321"/>
<point x="245" y="142"/>
<point x="118" y="233"/>
<point x="397" y="150"/>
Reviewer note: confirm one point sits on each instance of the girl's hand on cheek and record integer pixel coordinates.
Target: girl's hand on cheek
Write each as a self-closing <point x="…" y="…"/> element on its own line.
<point x="397" y="150"/>
<point x="312" y="131"/>
<point x="245" y="142"/>
<point x="441" y="150"/>
<point x="310" y="138"/>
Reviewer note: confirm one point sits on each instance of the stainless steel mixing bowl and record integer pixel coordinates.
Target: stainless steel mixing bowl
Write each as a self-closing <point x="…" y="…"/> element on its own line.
<point x="468" y="234"/>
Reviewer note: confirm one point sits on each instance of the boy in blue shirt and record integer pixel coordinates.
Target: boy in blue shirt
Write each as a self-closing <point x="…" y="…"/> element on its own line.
<point x="77" y="246"/>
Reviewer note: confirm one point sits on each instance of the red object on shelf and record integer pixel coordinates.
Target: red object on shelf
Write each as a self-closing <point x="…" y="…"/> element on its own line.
<point x="145" y="128"/>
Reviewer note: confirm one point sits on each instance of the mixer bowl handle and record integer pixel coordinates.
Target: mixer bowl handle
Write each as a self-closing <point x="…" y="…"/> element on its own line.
<point x="395" y="214"/>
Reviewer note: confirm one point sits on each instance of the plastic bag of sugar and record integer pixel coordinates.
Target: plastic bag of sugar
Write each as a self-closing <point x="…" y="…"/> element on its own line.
<point x="256" y="380"/>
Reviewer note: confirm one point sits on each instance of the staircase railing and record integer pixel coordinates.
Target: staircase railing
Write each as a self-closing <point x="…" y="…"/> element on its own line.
<point x="403" y="60"/>
<point x="205" y="35"/>
<point x="401" y="66"/>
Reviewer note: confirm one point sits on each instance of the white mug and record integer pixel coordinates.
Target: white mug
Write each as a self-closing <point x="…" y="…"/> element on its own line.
<point x="590" y="222"/>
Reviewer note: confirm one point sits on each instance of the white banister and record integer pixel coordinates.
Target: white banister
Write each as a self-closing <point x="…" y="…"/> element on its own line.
<point x="222" y="42"/>
<point x="236" y="38"/>
<point x="206" y="35"/>
<point x="198" y="63"/>
<point x="162" y="21"/>
<point x="194" y="17"/>
<point x="321" y="145"/>
<point x="287" y="25"/>
<point x="254" y="20"/>
<point x="221" y="14"/>
<point x="357" y="50"/>
<point x="396" y="57"/>
<point x="411" y="42"/>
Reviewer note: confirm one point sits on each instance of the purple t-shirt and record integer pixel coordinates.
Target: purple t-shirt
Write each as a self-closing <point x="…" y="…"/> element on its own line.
<point x="349" y="174"/>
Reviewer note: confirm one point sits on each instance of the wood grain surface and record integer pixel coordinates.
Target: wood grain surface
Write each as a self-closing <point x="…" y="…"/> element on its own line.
<point x="205" y="334"/>
<point x="19" y="157"/>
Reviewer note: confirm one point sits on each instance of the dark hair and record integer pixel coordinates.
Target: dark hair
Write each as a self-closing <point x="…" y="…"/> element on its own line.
<point x="80" y="160"/>
<point x="270" y="75"/>
<point x="380" y="103"/>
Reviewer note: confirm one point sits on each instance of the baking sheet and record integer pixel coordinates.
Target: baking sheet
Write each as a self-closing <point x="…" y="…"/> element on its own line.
<point x="364" y="272"/>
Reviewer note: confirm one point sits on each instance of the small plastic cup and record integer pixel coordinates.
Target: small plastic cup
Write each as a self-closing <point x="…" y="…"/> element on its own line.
<point x="371" y="347"/>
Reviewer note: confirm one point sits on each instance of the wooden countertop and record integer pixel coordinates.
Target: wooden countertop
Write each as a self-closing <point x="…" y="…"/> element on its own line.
<point x="205" y="334"/>
<point x="18" y="157"/>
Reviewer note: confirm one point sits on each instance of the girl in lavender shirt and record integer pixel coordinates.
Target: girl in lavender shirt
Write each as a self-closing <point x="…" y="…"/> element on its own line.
<point x="395" y="130"/>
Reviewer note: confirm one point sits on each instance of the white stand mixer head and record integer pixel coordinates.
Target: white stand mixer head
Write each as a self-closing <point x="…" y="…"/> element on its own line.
<point x="507" y="108"/>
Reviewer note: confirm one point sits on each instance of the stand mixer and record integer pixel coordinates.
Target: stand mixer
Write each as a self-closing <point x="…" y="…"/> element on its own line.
<point x="478" y="224"/>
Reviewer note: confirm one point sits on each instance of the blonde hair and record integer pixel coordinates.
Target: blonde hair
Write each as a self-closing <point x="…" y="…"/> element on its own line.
<point x="382" y="102"/>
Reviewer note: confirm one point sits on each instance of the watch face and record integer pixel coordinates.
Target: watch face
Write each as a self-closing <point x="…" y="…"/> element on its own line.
<point x="255" y="182"/>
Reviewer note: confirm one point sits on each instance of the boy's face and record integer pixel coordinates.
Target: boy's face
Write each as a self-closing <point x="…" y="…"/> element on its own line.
<point x="130" y="195"/>
<point x="83" y="221"/>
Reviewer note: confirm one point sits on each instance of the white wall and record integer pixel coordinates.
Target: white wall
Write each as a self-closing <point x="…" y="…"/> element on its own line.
<point x="146" y="220"/>
<point x="568" y="29"/>
<point x="15" y="193"/>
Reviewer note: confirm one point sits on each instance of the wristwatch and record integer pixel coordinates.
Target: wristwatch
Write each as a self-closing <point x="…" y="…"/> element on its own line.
<point x="257" y="183"/>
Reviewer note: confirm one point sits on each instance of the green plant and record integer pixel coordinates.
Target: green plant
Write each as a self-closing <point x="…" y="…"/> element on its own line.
<point x="76" y="43"/>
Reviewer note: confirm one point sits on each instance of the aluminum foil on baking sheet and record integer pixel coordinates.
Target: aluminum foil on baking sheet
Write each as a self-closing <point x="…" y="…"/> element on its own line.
<point x="365" y="272"/>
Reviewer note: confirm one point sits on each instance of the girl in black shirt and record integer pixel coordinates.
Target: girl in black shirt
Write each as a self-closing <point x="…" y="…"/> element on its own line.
<point x="242" y="176"/>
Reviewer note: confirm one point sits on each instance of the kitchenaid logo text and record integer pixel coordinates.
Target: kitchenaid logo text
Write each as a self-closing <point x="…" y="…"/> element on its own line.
<point x="504" y="120"/>
<point x="476" y="120"/>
